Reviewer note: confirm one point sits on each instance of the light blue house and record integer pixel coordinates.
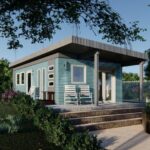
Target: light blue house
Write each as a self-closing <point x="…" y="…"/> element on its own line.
<point x="75" y="61"/>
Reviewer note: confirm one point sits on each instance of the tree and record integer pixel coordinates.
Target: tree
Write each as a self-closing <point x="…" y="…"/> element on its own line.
<point x="38" y="20"/>
<point x="130" y="77"/>
<point x="147" y="68"/>
<point x="5" y="76"/>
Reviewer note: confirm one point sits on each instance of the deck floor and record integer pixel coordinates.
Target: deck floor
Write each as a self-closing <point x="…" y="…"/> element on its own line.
<point x="90" y="107"/>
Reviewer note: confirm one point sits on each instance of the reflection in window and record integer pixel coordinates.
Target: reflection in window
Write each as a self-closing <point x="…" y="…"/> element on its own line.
<point x="51" y="84"/>
<point x="51" y="76"/>
<point x="18" y="78"/>
<point x="51" y="68"/>
<point x="22" y="78"/>
<point x="78" y="74"/>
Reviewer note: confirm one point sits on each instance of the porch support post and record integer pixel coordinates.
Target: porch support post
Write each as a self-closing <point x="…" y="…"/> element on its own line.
<point x="104" y="86"/>
<point x="141" y="80"/>
<point x="96" y="78"/>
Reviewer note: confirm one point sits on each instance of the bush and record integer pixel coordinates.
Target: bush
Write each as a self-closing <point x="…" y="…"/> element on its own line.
<point x="147" y="110"/>
<point x="9" y="124"/>
<point x="58" y="131"/>
<point x="24" y="104"/>
<point x="8" y="95"/>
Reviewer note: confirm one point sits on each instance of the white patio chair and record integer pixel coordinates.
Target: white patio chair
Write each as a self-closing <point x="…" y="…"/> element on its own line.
<point x="70" y="94"/>
<point x="85" y="95"/>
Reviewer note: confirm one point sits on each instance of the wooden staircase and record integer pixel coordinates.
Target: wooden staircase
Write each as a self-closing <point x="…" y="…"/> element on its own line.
<point x="104" y="119"/>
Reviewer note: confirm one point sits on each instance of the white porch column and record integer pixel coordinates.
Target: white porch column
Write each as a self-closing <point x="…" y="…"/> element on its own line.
<point x="96" y="78"/>
<point x="104" y="86"/>
<point x="113" y="88"/>
<point x="141" y="80"/>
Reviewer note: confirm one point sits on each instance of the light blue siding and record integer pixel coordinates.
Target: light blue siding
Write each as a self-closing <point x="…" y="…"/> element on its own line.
<point x="63" y="76"/>
<point x="33" y="69"/>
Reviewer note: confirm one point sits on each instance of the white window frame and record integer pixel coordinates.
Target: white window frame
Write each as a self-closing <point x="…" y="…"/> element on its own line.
<point x="49" y="67"/>
<point x="49" y="77"/>
<point x="21" y="78"/>
<point x="16" y="78"/>
<point x="84" y="78"/>
<point x="51" y="85"/>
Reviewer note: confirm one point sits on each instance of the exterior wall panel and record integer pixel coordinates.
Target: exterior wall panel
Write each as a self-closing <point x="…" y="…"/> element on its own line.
<point x="63" y="76"/>
<point x="33" y="69"/>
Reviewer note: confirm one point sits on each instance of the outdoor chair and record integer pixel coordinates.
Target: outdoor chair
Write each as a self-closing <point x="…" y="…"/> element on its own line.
<point x="70" y="94"/>
<point x="85" y="96"/>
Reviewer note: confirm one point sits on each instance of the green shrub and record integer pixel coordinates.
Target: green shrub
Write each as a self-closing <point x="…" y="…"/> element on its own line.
<point x="147" y="110"/>
<point x="24" y="104"/>
<point x="58" y="131"/>
<point x="9" y="124"/>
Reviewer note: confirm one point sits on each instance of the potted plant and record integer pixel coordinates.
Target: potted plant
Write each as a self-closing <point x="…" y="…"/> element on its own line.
<point x="146" y="118"/>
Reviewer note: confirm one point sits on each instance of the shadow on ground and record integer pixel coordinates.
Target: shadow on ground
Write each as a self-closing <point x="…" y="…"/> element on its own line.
<point x="138" y="138"/>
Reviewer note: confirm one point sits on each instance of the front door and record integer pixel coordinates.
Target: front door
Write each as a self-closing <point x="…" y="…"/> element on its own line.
<point x="107" y="86"/>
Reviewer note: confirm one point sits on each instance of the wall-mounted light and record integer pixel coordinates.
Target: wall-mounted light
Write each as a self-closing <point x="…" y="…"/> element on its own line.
<point x="67" y="66"/>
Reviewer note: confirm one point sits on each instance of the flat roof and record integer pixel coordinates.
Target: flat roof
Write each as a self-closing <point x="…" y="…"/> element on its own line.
<point x="80" y="46"/>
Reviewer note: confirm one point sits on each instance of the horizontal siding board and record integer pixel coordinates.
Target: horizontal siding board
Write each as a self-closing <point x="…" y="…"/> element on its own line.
<point x="63" y="76"/>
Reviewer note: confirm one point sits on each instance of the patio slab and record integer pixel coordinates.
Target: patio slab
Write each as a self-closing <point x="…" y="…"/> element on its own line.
<point x="124" y="138"/>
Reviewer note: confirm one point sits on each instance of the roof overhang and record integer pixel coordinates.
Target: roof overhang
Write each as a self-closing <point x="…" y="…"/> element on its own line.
<point x="85" y="48"/>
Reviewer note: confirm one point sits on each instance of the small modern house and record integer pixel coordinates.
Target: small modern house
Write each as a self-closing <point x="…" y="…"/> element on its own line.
<point x="76" y="70"/>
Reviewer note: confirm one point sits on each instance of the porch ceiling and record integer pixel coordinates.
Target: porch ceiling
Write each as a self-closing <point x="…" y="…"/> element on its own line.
<point x="84" y="48"/>
<point x="125" y="57"/>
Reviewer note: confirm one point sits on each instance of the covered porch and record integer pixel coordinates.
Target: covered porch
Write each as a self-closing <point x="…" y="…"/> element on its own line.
<point x="100" y="53"/>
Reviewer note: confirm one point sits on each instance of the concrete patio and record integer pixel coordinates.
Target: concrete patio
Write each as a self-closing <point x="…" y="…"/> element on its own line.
<point x="124" y="138"/>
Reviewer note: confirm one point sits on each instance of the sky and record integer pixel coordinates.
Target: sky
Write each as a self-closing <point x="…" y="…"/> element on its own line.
<point x="129" y="10"/>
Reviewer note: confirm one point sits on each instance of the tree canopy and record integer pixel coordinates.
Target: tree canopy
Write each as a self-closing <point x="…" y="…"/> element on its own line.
<point x="5" y="75"/>
<point x="38" y="20"/>
<point x="130" y="76"/>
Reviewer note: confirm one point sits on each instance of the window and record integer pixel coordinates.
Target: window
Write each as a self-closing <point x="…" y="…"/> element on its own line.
<point x="78" y="74"/>
<point x="51" y="68"/>
<point x="22" y="78"/>
<point x="18" y="79"/>
<point x="51" y="83"/>
<point x="51" y="76"/>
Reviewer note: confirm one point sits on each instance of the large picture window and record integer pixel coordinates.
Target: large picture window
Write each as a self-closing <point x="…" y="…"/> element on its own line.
<point x="78" y="74"/>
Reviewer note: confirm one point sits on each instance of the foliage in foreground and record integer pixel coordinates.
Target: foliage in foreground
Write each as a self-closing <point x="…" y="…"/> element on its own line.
<point x="58" y="131"/>
<point x="147" y="67"/>
<point x="147" y="109"/>
<point x="25" y="141"/>
<point x="19" y="19"/>
<point x="5" y="76"/>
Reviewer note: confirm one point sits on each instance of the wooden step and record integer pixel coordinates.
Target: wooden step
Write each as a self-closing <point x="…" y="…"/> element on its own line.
<point x="108" y="124"/>
<point x="100" y="112"/>
<point x="94" y="119"/>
